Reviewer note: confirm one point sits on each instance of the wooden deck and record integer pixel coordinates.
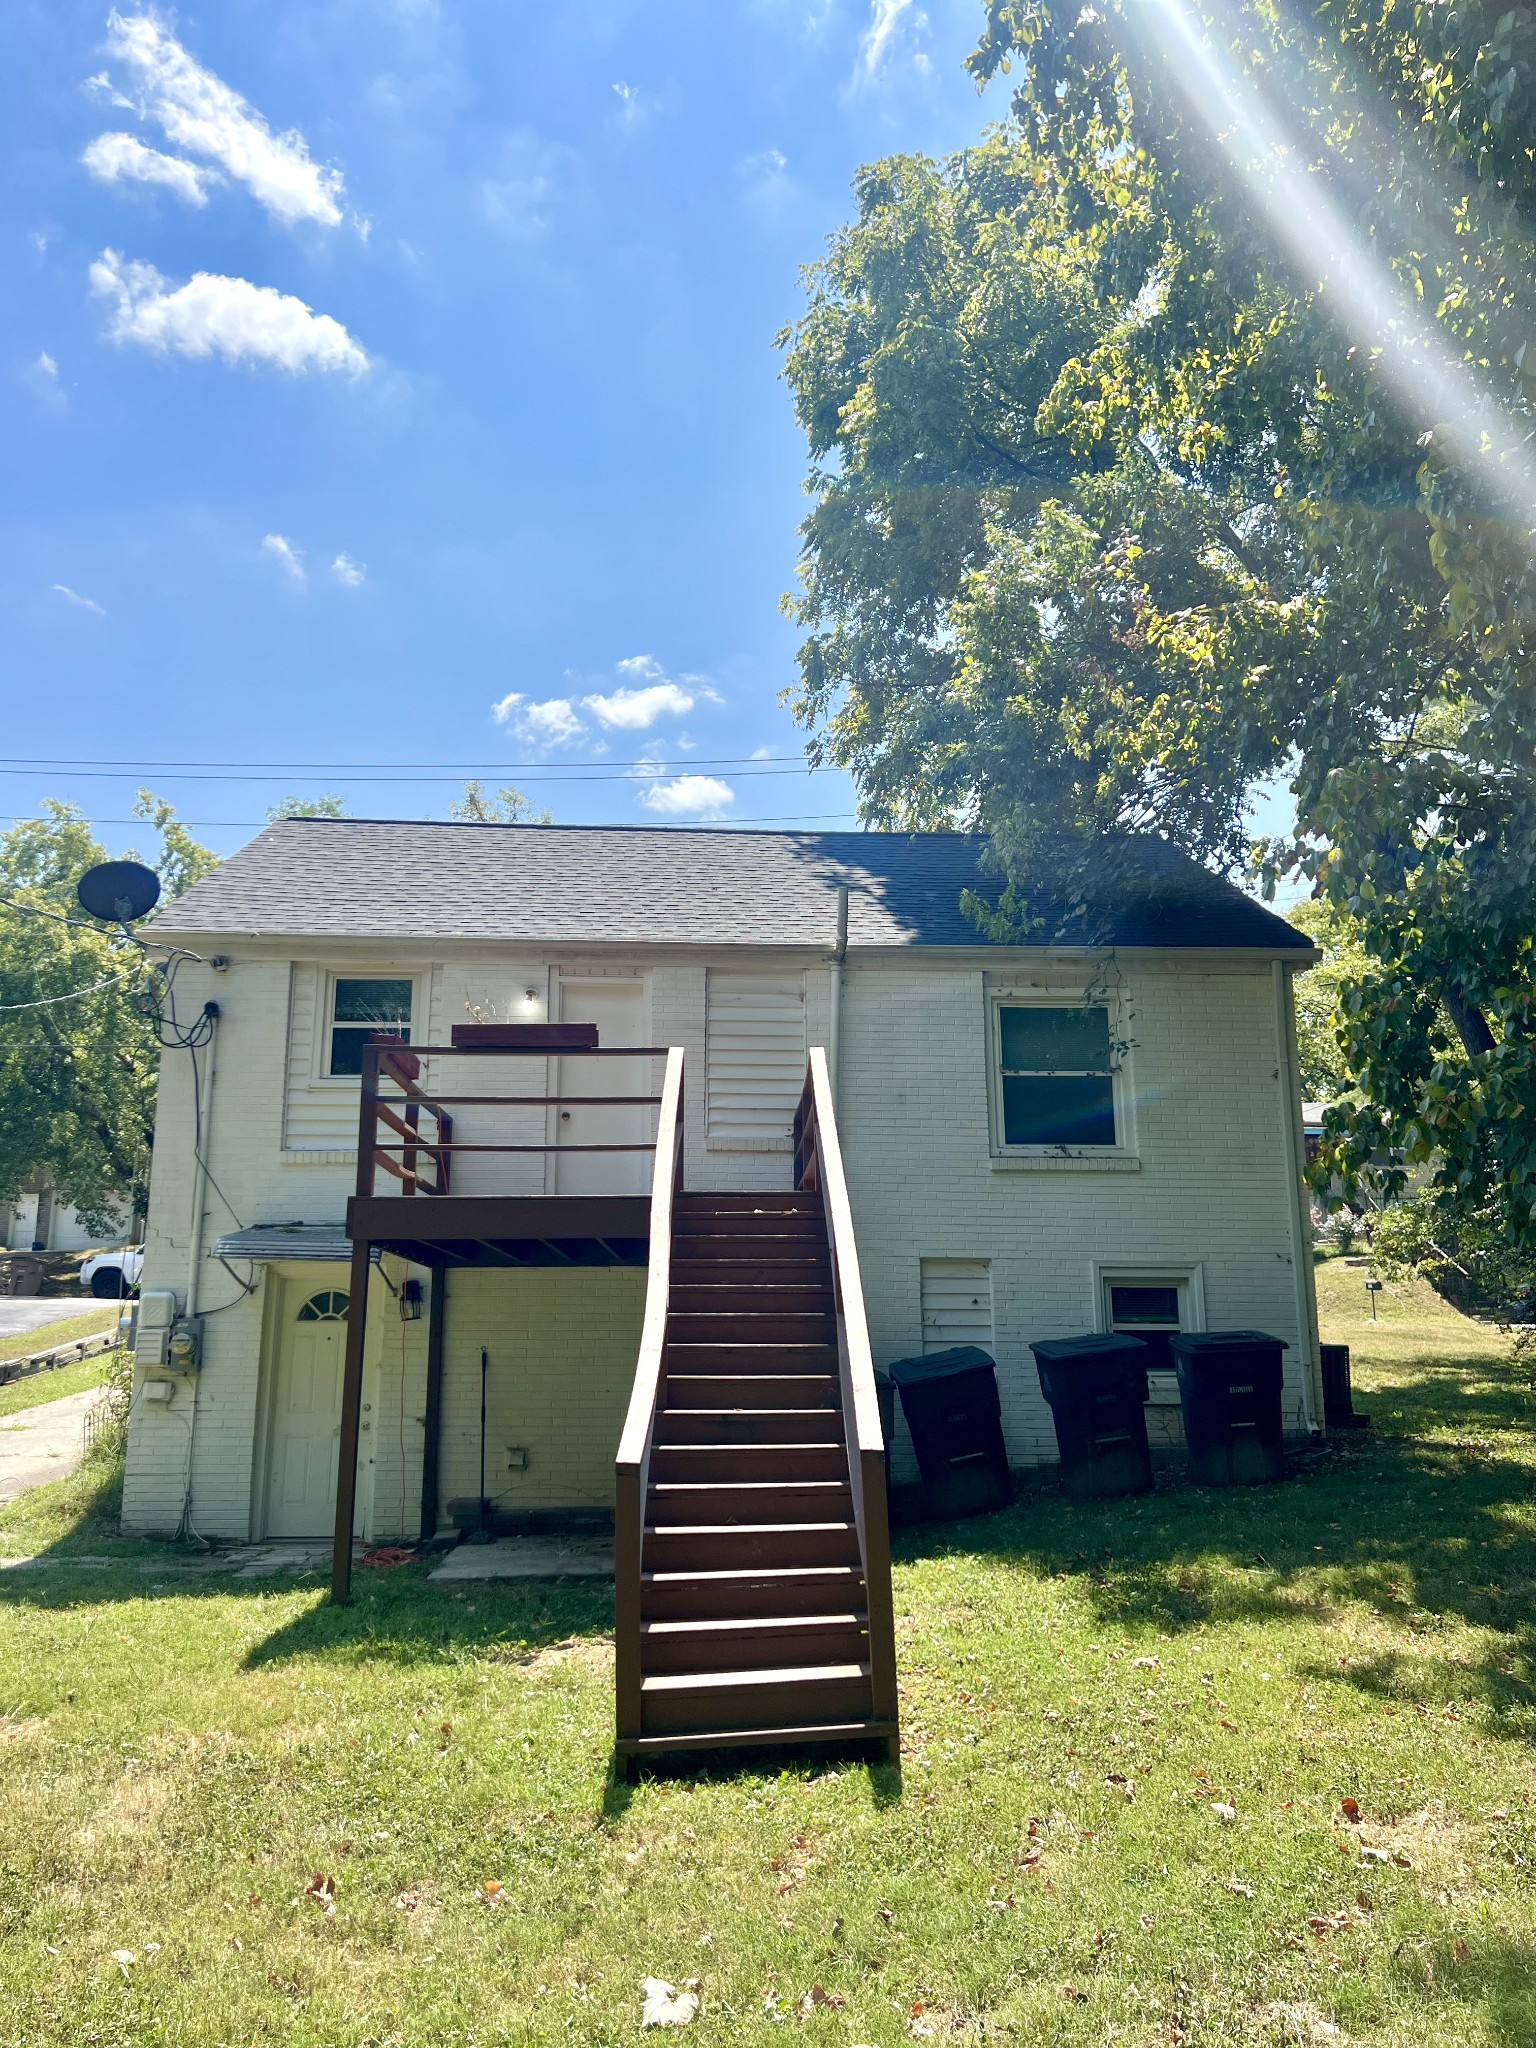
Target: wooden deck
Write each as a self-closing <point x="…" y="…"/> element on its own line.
<point x="506" y="1230"/>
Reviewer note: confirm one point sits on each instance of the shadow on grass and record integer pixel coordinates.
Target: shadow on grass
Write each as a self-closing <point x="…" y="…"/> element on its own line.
<point x="1430" y="1518"/>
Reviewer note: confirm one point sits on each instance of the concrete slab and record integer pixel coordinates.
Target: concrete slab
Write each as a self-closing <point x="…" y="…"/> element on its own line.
<point x="265" y="1560"/>
<point x="529" y="1557"/>
<point x="20" y="1314"/>
<point x="38" y="1444"/>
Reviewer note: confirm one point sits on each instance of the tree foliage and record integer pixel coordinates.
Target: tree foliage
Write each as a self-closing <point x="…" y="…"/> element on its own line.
<point x="505" y="806"/>
<point x="78" y="1056"/>
<point x="1123" y="505"/>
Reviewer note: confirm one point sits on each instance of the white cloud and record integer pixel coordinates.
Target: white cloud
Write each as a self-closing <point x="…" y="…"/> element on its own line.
<point x="885" y="19"/>
<point x="761" y="754"/>
<point x="552" y="723"/>
<point x="47" y="365"/>
<point x="226" y="316"/>
<point x="636" y="710"/>
<point x="628" y="98"/>
<point x="86" y="604"/>
<point x="285" y="554"/>
<point x="352" y="574"/>
<point x="531" y="177"/>
<point x="689" y="796"/>
<point x="645" y="694"/>
<point x="199" y="112"/>
<point x="116" y="156"/>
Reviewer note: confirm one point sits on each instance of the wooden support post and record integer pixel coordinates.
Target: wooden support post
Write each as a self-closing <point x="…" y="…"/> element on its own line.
<point x="432" y="1422"/>
<point x="351" y="1418"/>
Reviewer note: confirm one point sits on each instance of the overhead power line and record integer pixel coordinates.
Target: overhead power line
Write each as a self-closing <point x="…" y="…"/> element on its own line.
<point x="645" y="769"/>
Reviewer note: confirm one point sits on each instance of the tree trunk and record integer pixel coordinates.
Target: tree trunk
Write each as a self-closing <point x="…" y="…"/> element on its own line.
<point x="1471" y="1025"/>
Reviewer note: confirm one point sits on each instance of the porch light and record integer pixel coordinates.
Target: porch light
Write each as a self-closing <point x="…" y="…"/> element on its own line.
<point x="410" y="1301"/>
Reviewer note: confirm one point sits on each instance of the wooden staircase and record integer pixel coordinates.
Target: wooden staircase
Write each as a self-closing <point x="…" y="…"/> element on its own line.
<point x="753" y="1604"/>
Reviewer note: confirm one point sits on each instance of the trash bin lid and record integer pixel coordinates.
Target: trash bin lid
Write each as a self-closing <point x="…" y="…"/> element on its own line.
<point x="941" y="1365"/>
<point x="1104" y="1344"/>
<point x="1202" y="1343"/>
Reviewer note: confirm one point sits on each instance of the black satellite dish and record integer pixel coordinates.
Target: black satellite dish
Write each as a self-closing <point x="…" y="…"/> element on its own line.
<point x="118" y="891"/>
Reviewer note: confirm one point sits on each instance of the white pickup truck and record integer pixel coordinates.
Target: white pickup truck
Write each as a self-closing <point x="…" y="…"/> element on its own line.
<point x="109" y="1275"/>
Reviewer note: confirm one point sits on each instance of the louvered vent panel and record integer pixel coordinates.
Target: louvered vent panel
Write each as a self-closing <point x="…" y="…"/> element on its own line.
<point x="756" y="1057"/>
<point x="957" y="1303"/>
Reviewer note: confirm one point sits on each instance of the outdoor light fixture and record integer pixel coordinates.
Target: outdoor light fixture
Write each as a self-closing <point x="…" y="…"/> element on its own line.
<point x="410" y="1301"/>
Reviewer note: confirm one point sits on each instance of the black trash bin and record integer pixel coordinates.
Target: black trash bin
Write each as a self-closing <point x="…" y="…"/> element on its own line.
<point x="1338" y="1395"/>
<point x="950" y="1401"/>
<point x="1229" y="1388"/>
<point x="1097" y="1390"/>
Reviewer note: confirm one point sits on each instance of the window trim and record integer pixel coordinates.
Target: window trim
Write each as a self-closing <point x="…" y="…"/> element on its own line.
<point x="320" y="1074"/>
<point x="1119" y="1155"/>
<point x="1187" y="1275"/>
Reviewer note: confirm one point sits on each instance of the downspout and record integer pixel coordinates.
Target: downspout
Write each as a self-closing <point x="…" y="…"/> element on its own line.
<point x="1294" y="1138"/>
<point x="201" y="1140"/>
<point x="835" y="1018"/>
<point x="432" y="1421"/>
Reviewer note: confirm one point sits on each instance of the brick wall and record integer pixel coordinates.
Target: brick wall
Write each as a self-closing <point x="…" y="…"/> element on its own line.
<point x="1203" y="1186"/>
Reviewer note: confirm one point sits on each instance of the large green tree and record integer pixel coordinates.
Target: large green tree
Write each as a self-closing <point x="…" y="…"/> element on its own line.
<point x="78" y="1052"/>
<point x="1123" y="507"/>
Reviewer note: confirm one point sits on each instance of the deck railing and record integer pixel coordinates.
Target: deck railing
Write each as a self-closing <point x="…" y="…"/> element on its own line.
<point x="395" y="1100"/>
<point x="819" y="1170"/>
<point x="632" y="1463"/>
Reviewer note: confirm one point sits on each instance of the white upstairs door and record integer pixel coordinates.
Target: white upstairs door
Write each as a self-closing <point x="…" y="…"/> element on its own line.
<point x="306" y="1412"/>
<point x="618" y="1009"/>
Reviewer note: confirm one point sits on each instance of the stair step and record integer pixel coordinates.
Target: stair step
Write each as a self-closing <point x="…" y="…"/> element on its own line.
<point x="755" y="1326"/>
<point x="762" y="1229"/>
<point x="749" y="1358"/>
<point x="750" y="1390"/>
<point x="733" y="1503"/>
<point x="831" y="1733"/>
<point x="750" y="1590"/>
<point x="727" y="1428"/>
<point x="697" y="1248"/>
<point x="766" y="1271"/>
<point x="783" y="1202"/>
<point x="695" y="1703"/>
<point x="710" y="1546"/>
<point x="743" y="1642"/>
<point x="739" y="1461"/>
<point x="750" y="1297"/>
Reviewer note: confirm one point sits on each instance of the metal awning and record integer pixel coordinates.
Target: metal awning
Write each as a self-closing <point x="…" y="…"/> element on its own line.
<point x="269" y="1241"/>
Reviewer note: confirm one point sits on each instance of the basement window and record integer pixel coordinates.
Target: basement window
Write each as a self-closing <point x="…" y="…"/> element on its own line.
<point x="1056" y="1084"/>
<point x="358" y="1009"/>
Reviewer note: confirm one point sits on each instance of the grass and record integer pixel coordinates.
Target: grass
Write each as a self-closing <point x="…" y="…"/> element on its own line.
<point x="90" y="1321"/>
<point x="185" y="1755"/>
<point x="41" y="1387"/>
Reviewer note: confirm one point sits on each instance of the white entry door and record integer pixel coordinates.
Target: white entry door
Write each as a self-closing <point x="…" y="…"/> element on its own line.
<point x="618" y="1009"/>
<point x="306" y="1413"/>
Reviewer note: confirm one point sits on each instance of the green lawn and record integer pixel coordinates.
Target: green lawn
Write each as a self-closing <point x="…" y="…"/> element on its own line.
<point x="1130" y="1732"/>
<point x="53" y="1385"/>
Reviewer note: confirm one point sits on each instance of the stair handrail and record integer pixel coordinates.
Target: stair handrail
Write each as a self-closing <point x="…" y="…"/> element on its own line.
<point x="819" y="1170"/>
<point x="630" y="1467"/>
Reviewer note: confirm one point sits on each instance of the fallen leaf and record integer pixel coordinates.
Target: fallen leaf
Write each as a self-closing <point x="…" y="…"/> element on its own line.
<point x="664" y="2005"/>
<point x="1328" y="1923"/>
<point x="1223" y="1809"/>
<point x="322" y="1890"/>
<point x="1232" y="1725"/>
<point x="1237" y="1888"/>
<point x="408" y="1901"/>
<point x="1077" y="1997"/>
<point x="1403" y="1862"/>
<point x="237" y="1944"/>
<point x="1371" y="1856"/>
<point x="1147" y="1923"/>
<point x="1460" y="1950"/>
<point x="123" y="1957"/>
<point x="815" y="1997"/>
<point x="1144" y="1663"/>
<point x="1350" y="1808"/>
<point x="492" y="1893"/>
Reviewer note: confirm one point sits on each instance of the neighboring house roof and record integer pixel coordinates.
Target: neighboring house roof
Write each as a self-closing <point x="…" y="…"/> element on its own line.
<point x="320" y="878"/>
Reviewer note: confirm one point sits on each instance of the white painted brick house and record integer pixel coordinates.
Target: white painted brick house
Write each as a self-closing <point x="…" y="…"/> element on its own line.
<point x="1040" y="1140"/>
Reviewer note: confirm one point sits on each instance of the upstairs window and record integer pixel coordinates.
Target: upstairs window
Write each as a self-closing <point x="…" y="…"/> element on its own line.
<point x="1056" y="1083"/>
<point x="360" y="1008"/>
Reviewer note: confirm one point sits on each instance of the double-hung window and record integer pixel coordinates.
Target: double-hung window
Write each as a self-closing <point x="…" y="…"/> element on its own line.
<point x="359" y="1007"/>
<point x="1056" y="1084"/>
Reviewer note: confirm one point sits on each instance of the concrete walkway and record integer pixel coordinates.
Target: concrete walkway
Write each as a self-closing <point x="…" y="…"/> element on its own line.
<point x="529" y="1557"/>
<point x="38" y="1444"/>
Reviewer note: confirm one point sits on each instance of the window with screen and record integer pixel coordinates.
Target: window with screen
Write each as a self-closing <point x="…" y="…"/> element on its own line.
<point x="1056" y="1084"/>
<point x="1150" y="1310"/>
<point x="360" y="1008"/>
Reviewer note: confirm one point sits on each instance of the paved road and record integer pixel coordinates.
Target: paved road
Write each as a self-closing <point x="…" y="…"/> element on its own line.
<point x="37" y="1444"/>
<point x="21" y="1314"/>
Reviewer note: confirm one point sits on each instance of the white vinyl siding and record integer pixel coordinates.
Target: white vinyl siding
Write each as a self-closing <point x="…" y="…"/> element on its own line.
<point x="755" y="1059"/>
<point x="957" y="1303"/>
<point x="320" y="1108"/>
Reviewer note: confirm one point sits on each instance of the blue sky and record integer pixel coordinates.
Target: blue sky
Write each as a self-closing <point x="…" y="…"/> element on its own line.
<point x="394" y="381"/>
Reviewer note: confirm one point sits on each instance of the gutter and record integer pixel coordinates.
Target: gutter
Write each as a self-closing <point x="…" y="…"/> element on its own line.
<point x="1294" y="1143"/>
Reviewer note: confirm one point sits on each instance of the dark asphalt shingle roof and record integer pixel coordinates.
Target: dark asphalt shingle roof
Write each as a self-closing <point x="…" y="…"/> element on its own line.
<point x="634" y="885"/>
